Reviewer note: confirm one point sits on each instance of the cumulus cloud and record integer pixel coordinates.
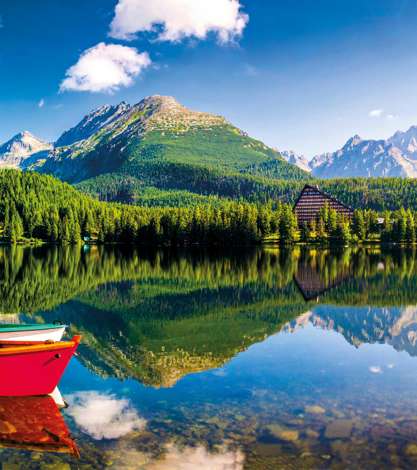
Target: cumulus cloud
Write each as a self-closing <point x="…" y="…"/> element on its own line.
<point x="376" y="113"/>
<point x="104" y="416"/>
<point x="173" y="20"/>
<point x="105" y="68"/>
<point x="375" y="369"/>
<point x="41" y="103"/>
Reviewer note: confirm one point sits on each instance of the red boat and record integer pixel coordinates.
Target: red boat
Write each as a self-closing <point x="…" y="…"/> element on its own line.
<point x="34" y="424"/>
<point x="33" y="368"/>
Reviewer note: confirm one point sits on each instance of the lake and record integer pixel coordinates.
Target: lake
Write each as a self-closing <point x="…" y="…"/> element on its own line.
<point x="266" y="358"/>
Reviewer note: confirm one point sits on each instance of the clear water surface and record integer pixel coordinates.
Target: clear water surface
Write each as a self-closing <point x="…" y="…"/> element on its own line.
<point x="269" y="358"/>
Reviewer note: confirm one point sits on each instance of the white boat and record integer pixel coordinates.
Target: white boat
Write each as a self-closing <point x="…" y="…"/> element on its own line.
<point x="35" y="332"/>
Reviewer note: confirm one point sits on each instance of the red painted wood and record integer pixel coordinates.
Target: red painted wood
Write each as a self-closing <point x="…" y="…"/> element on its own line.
<point x="34" y="370"/>
<point x="34" y="423"/>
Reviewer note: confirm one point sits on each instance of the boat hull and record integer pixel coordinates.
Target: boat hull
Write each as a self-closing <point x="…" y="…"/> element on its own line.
<point x="49" y="334"/>
<point x="34" y="369"/>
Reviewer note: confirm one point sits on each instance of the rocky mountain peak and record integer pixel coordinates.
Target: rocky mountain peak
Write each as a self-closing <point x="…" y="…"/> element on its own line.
<point x="164" y="113"/>
<point x="353" y="141"/>
<point x="295" y="159"/>
<point x="92" y="123"/>
<point x="20" y="147"/>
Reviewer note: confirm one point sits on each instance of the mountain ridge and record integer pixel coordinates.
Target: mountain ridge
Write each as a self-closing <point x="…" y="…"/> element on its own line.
<point x="392" y="157"/>
<point x="149" y="142"/>
<point x="20" y="149"/>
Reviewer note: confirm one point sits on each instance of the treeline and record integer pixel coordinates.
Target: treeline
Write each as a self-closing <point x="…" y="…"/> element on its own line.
<point x="34" y="206"/>
<point x="39" y="207"/>
<point x="365" y="225"/>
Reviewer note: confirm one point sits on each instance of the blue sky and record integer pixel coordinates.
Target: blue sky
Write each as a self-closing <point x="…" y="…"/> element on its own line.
<point x="298" y="74"/>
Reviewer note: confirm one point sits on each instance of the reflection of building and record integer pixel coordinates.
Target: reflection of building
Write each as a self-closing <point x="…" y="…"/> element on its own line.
<point x="311" y="200"/>
<point x="312" y="284"/>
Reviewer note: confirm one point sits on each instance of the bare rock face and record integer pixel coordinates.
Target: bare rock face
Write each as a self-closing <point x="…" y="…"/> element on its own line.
<point x="295" y="159"/>
<point x="394" y="157"/>
<point x="92" y="123"/>
<point x="22" y="149"/>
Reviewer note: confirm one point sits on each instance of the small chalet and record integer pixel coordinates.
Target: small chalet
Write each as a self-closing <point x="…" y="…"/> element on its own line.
<point x="311" y="200"/>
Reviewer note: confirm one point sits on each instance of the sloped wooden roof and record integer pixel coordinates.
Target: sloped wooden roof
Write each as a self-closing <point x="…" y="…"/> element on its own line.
<point x="312" y="199"/>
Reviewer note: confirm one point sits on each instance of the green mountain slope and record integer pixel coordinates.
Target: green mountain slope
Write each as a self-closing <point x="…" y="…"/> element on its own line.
<point x="160" y="144"/>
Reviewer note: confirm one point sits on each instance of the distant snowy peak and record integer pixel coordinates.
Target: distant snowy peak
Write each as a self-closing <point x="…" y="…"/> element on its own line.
<point x="394" y="157"/>
<point x="296" y="159"/>
<point x="23" y="146"/>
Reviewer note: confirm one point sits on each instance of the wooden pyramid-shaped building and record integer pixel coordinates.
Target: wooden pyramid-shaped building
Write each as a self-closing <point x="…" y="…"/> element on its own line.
<point x="311" y="200"/>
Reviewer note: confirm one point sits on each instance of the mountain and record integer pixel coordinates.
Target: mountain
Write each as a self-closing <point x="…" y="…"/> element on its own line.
<point x="396" y="326"/>
<point x="160" y="144"/>
<point x="295" y="159"/>
<point x="22" y="149"/>
<point x="394" y="157"/>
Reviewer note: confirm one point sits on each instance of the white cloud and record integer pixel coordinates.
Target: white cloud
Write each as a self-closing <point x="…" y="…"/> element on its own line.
<point x="375" y="369"/>
<point x="104" y="416"/>
<point x="173" y="20"/>
<point x="376" y="113"/>
<point x="41" y="103"/>
<point x="391" y="117"/>
<point x="105" y="68"/>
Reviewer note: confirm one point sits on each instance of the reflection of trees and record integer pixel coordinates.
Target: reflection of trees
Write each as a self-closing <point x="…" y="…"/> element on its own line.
<point x="42" y="278"/>
<point x="163" y="336"/>
<point x="358" y="276"/>
<point x="158" y="316"/>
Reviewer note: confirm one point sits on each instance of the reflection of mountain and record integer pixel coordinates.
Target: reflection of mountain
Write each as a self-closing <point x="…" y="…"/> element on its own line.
<point x="396" y="326"/>
<point x="35" y="424"/>
<point x="160" y="316"/>
<point x="160" y="338"/>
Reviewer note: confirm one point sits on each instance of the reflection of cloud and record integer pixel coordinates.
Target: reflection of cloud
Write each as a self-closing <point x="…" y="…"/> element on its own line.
<point x="197" y="458"/>
<point x="375" y="369"/>
<point x="104" y="416"/>
<point x="173" y="457"/>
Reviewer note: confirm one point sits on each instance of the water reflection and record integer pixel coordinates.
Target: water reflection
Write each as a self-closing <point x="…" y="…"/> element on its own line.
<point x="266" y="359"/>
<point x="34" y="423"/>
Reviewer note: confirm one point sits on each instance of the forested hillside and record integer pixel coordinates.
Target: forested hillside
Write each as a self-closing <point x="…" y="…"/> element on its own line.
<point x="39" y="207"/>
<point x="184" y="185"/>
<point x="34" y="206"/>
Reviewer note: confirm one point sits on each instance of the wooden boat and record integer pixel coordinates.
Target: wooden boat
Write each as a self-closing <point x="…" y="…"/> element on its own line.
<point x="33" y="368"/>
<point x="34" y="424"/>
<point x="36" y="332"/>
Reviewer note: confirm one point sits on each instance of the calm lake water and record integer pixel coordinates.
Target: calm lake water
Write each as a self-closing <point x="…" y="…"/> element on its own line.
<point x="249" y="359"/>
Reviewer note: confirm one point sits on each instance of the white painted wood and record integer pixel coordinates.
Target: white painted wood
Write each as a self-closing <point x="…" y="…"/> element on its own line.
<point x="53" y="334"/>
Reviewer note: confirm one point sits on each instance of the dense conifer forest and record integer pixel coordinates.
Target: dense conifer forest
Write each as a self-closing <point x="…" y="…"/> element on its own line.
<point x="39" y="207"/>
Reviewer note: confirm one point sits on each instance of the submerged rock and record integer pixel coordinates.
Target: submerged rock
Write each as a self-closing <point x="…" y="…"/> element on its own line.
<point x="284" y="434"/>
<point x="339" y="429"/>
<point x="315" y="409"/>
<point x="411" y="450"/>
